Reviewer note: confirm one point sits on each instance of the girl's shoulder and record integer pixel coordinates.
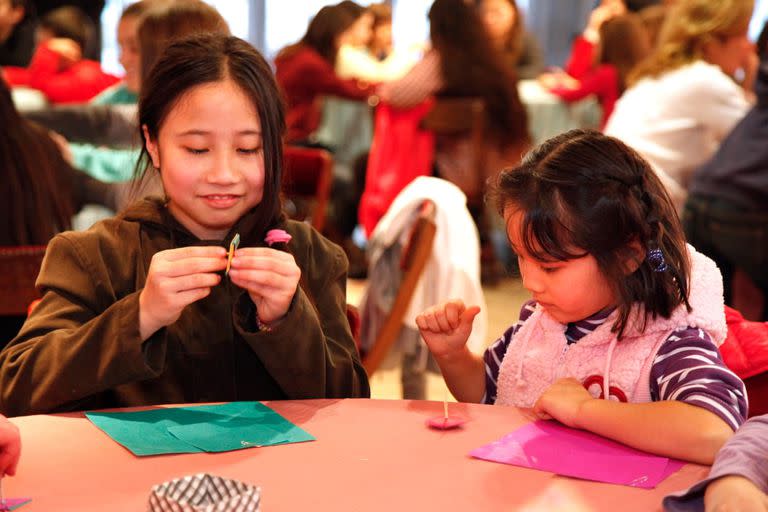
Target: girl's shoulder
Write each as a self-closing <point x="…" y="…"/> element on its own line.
<point x="315" y="254"/>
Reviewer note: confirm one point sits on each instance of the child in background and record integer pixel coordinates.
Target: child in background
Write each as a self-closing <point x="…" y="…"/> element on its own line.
<point x="127" y="91"/>
<point x="622" y="309"/>
<point x="160" y="23"/>
<point x="58" y="69"/>
<point x="137" y="311"/>
<point x="621" y="44"/>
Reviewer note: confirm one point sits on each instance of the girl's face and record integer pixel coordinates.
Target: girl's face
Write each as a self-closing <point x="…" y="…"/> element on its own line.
<point x="359" y="33"/>
<point x="129" y="52"/>
<point x="568" y="291"/>
<point x="498" y="17"/>
<point x="209" y="154"/>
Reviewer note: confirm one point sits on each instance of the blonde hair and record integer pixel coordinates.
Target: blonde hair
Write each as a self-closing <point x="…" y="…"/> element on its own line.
<point x="689" y="26"/>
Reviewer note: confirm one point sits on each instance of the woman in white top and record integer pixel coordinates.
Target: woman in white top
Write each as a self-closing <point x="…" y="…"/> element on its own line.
<point x="683" y="100"/>
<point x="355" y="60"/>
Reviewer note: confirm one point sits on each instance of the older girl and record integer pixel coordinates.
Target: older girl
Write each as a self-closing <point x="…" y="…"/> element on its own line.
<point x="138" y="310"/>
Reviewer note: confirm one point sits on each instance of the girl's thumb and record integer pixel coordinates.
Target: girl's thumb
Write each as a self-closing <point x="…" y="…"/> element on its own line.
<point x="469" y="314"/>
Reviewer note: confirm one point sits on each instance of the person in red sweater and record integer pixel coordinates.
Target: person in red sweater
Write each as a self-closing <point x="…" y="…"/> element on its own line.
<point x="305" y="71"/>
<point x="58" y="69"/>
<point x="613" y="43"/>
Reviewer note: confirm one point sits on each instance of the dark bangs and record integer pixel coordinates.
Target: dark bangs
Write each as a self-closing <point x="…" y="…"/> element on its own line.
<point x="546" y="230"/>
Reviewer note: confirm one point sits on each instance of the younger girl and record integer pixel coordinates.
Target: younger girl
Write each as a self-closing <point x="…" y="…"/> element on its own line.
<point x="137" y="310"/>
<point x="621" y="308"/>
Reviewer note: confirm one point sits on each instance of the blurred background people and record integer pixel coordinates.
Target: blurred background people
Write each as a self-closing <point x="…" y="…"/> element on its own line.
<point x="305" y="71"/>
<point x="682" y="100"/>
<point x="506" y="28"/>
<point x="17" y="32"/>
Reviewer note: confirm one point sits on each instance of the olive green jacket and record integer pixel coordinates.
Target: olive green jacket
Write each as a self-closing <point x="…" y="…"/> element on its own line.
<point x="81" y="348"/>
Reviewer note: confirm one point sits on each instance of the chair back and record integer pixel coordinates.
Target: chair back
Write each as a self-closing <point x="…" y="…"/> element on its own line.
<point x="463" y="117"/>
<point x="412" y="262"/>
<point x="20" y="266"/>
<point x="307" y="182"/>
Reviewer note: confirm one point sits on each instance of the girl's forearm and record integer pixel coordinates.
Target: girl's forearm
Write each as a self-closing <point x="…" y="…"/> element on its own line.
<point x="670" y="428"/>
<point x="464" y="373"/>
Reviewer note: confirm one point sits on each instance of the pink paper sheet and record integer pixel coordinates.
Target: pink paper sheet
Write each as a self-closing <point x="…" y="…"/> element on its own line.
<point x="550" y="446"/>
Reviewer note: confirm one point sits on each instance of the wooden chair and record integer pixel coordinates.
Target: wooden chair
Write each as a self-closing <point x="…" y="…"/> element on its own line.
<point x="412" y="262"/>
<point x="466" y="118"/>
<point x="20" y="266"/>
<point x="307" y="182"/>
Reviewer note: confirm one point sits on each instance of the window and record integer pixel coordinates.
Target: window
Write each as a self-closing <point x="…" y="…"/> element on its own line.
<point x="236" y="12"/>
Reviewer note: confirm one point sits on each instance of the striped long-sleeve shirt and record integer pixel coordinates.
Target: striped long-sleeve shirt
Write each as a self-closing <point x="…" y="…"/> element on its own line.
<point x="688" y="367"/>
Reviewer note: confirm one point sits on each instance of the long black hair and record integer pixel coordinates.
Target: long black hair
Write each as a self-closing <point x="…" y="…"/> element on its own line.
<point x="37" y="197"/>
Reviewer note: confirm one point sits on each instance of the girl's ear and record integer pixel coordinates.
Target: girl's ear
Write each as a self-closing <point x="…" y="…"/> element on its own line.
<point x="634" y="256"/>
<point x="152" y="149"/>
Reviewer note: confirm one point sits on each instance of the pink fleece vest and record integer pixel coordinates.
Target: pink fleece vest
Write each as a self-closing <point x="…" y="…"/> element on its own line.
<point x="539" y="353"/>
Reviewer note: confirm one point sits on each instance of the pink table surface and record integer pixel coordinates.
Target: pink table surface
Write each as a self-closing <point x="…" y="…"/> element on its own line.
<point x="369" y="455"/>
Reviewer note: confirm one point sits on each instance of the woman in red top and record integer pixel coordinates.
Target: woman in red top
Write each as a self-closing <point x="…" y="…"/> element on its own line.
<point x="305" y="71"/>
<point x="599" y="65"/>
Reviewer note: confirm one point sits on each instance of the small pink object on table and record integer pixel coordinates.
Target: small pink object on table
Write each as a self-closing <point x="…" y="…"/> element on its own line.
<point x="276" y="236"/>
<point x="446" y="423"/>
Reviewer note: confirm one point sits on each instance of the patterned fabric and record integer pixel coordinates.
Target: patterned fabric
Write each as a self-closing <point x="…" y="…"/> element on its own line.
<point x="204" y="492"/>
<point x="689" y="368"/>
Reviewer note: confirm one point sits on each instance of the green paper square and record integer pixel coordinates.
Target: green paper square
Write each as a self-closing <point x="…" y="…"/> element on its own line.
<point x="210" y="427"/>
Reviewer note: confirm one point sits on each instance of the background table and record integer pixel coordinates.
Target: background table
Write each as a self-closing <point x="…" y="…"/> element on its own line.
<point x="369" y="455"/>
<point x="548" y="115"/>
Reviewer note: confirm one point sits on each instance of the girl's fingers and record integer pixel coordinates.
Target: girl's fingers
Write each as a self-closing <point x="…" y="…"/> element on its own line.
<point x="262" y="290"/>
<point x="194" y="281"/>
<point x="262" y="278"/>
<point x="442" y="321"/>
<point x="432" y="323"/>
<point x="453" y="314"/>
<point x="282" y="263"/>
<point x="193" y="251"/>
<point x="189" y="296"/>
<point x="195" y="265"/>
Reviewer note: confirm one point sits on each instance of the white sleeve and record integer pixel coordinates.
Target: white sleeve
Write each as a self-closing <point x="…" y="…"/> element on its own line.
<point x="719" y="102"/>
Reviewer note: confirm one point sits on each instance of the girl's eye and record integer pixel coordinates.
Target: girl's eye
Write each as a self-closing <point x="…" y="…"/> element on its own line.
<point x="196" y="151"/>
<point x="550" y="270"/>
<point x="249" y="151"/>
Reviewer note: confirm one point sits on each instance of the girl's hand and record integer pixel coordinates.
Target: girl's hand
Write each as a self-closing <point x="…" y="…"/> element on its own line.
<point x="446" y="327"/>
<point x="177" y="278"/>
<point x="10" y="447"/>
<point x="67" y="48"/>
<point x="734" y="493"/>
<point x="562" y="401"/>
<point x="270" y="277"/>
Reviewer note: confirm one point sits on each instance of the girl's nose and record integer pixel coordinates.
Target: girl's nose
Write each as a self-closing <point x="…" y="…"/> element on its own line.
<point x="531" y="277"/>
<point x="223" y="170"/>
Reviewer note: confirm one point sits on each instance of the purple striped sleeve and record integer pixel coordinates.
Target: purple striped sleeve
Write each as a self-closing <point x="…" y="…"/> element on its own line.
<point x="495" y="353"/>
<point x="688" y="367"/>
